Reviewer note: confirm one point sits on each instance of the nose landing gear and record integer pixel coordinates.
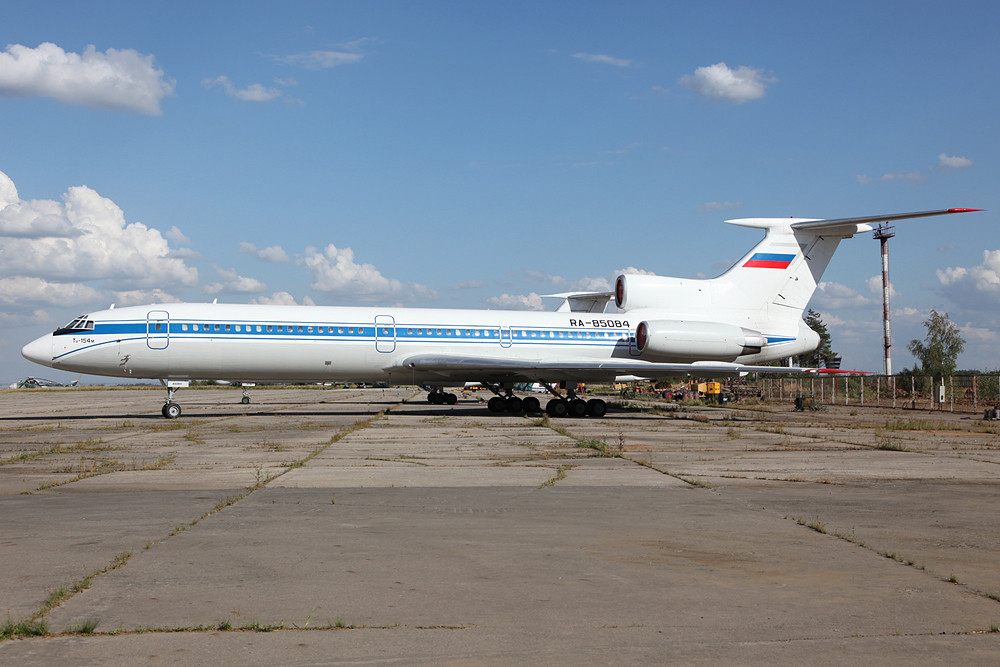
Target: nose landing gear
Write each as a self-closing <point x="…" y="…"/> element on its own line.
<point x="170" y="409"/>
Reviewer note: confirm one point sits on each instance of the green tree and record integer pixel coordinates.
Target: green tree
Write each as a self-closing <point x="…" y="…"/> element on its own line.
<point x="938" y="353"/>
<point x="822" y="356"/>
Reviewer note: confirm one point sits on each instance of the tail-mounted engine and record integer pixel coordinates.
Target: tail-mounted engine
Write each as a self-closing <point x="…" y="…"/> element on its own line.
<point x="633" y="291"/>
<point x="673" y="340"/>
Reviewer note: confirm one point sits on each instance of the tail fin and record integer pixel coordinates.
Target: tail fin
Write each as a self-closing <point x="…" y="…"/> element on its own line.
<point x="783" y="270"/>
<point x="773" y="282"/>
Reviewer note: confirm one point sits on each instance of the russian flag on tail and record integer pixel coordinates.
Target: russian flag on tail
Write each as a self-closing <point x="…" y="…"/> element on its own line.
<point x="769" y="260"/>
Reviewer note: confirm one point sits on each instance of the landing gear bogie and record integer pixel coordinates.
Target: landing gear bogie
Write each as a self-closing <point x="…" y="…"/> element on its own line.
<point x="441" y="398"/>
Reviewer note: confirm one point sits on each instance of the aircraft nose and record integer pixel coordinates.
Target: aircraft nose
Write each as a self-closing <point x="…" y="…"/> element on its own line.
<point x="39" y="350"/>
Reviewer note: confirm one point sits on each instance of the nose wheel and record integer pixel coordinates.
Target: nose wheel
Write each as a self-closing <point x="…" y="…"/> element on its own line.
<point x="170" y="409"/>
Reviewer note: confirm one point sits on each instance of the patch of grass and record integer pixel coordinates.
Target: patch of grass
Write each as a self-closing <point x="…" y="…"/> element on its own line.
<point x="602" y="448"/>
<point x="890" y="444"/>
<point x="817" y="525"/>
<point x="560" y="475"/>
<point x="24" y="628"/>
<point x="917" y="425"/>
<point x="953" y="579"/>
<point x="84" y="627"/>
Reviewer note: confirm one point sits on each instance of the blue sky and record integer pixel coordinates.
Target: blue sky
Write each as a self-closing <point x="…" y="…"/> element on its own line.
<point x="480" y="154"/>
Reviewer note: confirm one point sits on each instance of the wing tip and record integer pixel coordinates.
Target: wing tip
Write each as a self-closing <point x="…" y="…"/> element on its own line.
<point x="964" y="210"/>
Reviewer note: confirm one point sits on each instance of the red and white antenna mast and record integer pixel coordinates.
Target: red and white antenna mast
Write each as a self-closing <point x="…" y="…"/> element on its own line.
<point x="883" y="233"/>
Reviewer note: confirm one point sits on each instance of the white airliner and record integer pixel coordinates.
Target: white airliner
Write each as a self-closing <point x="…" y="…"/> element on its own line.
<point x="662" y="327"/>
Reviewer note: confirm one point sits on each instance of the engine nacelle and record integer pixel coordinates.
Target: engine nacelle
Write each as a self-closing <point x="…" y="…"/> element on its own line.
<point x="699" y="341"/>
<point x="634" y="291"/>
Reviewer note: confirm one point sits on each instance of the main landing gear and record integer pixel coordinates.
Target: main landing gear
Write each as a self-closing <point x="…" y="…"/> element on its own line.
<point x="571" y="406"/>
<point x="438" y="397"/>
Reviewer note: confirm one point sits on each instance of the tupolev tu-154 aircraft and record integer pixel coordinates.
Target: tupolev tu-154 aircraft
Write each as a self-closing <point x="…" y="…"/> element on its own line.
<point x="662" y="327"/>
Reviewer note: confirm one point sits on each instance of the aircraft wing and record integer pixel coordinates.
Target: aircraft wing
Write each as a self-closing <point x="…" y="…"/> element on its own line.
<point x="454" y="367"/>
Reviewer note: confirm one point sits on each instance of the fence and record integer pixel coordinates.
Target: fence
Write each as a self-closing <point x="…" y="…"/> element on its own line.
<point x="955" y="393"/>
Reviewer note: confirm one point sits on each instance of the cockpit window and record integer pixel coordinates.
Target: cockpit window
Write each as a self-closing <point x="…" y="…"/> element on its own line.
<point x="82" y="323"/>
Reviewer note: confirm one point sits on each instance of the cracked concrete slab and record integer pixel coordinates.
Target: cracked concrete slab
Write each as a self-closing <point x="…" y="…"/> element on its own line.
<point x="349" y="525"/>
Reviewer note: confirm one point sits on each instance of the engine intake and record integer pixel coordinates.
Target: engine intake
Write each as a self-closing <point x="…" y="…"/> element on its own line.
<point x="699" y="341"/>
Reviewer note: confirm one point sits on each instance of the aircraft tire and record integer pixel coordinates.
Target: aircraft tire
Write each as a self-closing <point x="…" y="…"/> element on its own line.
<point x="596" y="407"/>
<point x="497" y="404"/>
<point x="577" y="408"/>
<point x="450" y="399"/>
<point x="514" y="404"/>
<point x="435" y="398"/>
<point x="531" y="404"/>
<point x="245" y="400"/>
<point x="557" y="407"/>
<point x="171" y="411"/>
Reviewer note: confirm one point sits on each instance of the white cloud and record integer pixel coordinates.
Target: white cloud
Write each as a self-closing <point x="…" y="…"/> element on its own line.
<point x="517" y="301"/>
<point x="979" y="334"/>
<point x="140" y="297"/>
<point x="282" y="299"/>
<point x="120" y="80"/>
<point x="719" y="205"/>
<point x="602" y="59"/>
<point x="911" y="314"/>
<point x="274" y="254"/>
<point x="255" y="92"/>
<point x="232" y="282"/>
<point x="720" y="82"/>
<point x="334" y="270"/>
<point x="953" y="162"/>
<point x="39" y="317"/>
<point x="875" y="286"/>
<point x="969" y="285"/>
<point x="83" y="238"/>
<point x="177" y="236"/>
<point x="834" y="296"/>
<point x="23" y="289"/>
<point x="320" y="59"/>
<point x="538" y="277"/>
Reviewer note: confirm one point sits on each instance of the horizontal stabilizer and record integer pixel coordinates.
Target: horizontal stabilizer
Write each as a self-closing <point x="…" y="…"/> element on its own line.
<point x="845" y="224"/>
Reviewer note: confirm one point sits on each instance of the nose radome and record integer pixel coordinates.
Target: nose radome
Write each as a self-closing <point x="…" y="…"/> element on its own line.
<point x="39" y="350"/>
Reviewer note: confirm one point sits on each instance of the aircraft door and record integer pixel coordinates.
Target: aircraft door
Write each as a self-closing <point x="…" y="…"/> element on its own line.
<point x="633" y="347"/>
<point x="506" y="337"/>
<point x="385" y="333"/>
<point x="157" y="329"/>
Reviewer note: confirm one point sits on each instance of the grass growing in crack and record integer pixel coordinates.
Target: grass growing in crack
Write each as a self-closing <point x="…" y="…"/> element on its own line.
<point x="916" y="425"/>
<point x="815" y="524"/>
<point x="84" y="627"/>
<point x="96" y="467"/>
<point x="890" y="444"/>
<point x="60" y="595"/>
<point x="23" y="628"/>
<point x="602" y="448"/>
<point x="560" y="475"/>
